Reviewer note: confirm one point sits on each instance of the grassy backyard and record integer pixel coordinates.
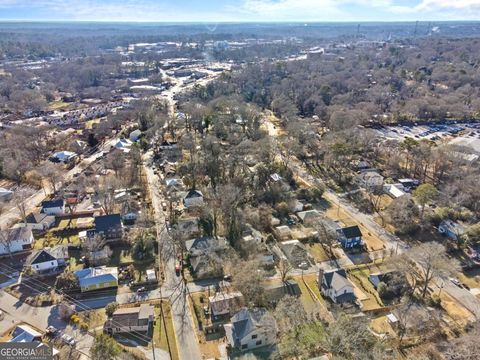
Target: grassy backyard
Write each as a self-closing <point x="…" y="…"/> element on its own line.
<point x="317" y="251"/>
<point x="359" y="276"/>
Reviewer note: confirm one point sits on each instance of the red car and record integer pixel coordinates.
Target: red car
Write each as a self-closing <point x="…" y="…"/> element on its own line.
<point x="177" y="268"/>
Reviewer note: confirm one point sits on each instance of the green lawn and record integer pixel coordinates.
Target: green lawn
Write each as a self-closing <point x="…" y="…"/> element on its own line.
<point x="162" y="331"/>
<point x="359" y="277"/>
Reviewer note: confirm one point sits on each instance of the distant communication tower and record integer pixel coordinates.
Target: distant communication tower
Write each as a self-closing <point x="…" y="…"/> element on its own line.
<point x="415" y="32"/>
<point x="358" y="30"/>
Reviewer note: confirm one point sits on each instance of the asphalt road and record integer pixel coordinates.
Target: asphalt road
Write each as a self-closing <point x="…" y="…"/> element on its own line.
<point x="174" y="288"/>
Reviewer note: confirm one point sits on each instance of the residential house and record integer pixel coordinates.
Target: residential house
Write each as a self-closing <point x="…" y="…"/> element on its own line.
<point x="53" y="207"/>
<point x="97" y="278"/>
<point x="309" y="217"/>
<point x="188" y="226"/>
<point x="297" y="254"/>
<point x="25" y="333"/>
<point x="204" y="256"/>
<point x="43" y="261"/>
<point x="126" y="320"/>
<point x="135" y="135"/>
<point x="109" y="226"/>
<point x="394" y="190"/>
<point x="282" y="232"/>
<point x="224" y="303"/>
<point x="360" y="165"/>
<point x="350" y="236"/>
<point x="370" y="179"/>
<point x="335" y="285"/>
<point x="296" y="205"/>
<point x="64" y="156"/>
<point x="409" y="184"/>
<point x="193" y="198"/>
<point x="40" y="221"/>
<point x="123" y="145"/>
<point x="451" y="229"/>
<point x="251" y="234"/>
<point x="174" y="185"/>
<point x="15" y="240"/>
<point x="250" y="329"/>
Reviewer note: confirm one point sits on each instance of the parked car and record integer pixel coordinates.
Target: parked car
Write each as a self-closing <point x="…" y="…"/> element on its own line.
<point x="67" y="339"/>
<point x="141" y="289"/>
<point x="177" y="268"/>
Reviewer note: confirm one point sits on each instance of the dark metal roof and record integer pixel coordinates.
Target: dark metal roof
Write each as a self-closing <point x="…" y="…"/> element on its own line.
<point x="107" y="222"/>
<point x="39" y="257"/>
<point x="52" y="203"/>
<point x="351" y="232"/>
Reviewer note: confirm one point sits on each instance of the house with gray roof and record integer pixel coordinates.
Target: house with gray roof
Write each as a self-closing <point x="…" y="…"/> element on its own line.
<point x="250" y="329"/>
<point x="205" y="256"/>
<point x="125" y="320"/>
<point x="101" y="277"/>
<point x="308" y="217"/>
<point x="335" y="285"/>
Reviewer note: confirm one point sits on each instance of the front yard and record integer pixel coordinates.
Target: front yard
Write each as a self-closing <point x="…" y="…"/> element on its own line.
<point x="164" y="332"/>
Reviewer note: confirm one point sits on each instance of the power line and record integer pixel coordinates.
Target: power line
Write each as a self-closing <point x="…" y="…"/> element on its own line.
<point x="74" y="301"/>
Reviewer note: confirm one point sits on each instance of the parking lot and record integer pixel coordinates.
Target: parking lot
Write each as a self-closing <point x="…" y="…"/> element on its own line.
<point x="470" y="133"/>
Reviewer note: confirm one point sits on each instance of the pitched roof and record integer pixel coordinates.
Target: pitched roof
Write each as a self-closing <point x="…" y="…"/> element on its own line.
<point x="247" y="320"/>
<point x="193" y="194"/>
<point x="96" y="275"/>
<point x="336" y="279"/>
<point x="38" y="218"/>
<point x="25" y="333"/>
<point x="19" y="233"/>
<point x="106" y="222"/>
<point x="351" y="232"/>
<point x="39" y="256"/>
<point x="205" y="243"/>
<point x="309" y="214"/>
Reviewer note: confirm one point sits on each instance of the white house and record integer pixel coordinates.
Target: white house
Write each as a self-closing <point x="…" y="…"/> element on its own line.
<point x="335" y="285"/>
<point x="42" y="261"/>
<point x="394" y="190"/>
<point x="193" y="198"/>
<point x="40" y="221"/>
<point x="15" y="240"/>
<point x="250" y="329"/>
<point x="64" y="156"/>
<point x="123" y="145"/>
<point x="53" y="207"/>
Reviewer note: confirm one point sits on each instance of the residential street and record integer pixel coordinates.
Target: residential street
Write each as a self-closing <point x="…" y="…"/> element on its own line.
<point x="173" y="286"/>
<point x="41" y="318"/>
<point x="9" y="216"/>
<point x="392" y="242"/>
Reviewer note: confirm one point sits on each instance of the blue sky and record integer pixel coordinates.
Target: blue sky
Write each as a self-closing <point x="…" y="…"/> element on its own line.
<point x="239" y="10"/>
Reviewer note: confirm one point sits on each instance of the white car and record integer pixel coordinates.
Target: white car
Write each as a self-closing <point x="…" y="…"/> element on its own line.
<point x="67" y="339"/>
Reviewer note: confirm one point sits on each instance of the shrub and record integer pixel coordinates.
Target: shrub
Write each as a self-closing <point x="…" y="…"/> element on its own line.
<point x="111" y="308"/>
